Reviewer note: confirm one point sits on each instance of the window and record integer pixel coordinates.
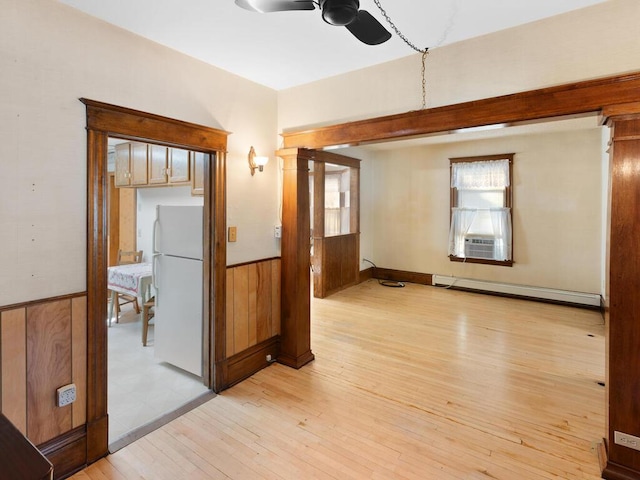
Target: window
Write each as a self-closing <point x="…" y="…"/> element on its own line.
<point x="337" y="182"/>
<point x="481" y="203"/>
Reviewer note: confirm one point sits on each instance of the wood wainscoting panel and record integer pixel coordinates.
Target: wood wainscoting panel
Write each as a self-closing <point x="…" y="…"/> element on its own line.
<point x="48" y="368"/>
<point x="263" y="301"/>
<point x="253" y="304"/>
<point x="229" y="314"/>
<point x="79" y="360"/>
<point x="240" y="309"/>
<point x="13" y="360"/>
<point x="275" y="296"/>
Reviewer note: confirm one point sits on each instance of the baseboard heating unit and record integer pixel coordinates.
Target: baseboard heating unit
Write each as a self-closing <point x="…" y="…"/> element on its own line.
<point x="590" y="299"/>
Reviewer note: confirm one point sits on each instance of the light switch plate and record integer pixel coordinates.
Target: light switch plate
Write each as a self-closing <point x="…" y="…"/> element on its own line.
<point x="233" y="234"/>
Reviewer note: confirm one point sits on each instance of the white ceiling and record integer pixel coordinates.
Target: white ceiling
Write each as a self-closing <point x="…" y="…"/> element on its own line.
<point x="285" y="49"/>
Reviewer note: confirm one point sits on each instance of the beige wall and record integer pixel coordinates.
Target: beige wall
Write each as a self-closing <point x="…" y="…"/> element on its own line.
<point x="592" y="42"/>
<point x="51" y="55"/>
<point x="556" y="218"/>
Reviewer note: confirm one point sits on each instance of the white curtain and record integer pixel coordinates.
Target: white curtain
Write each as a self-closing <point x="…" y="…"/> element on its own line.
<point x="487" y="175"/>
<point x="480" y="176"/>
<point x="501" y="222"/>
<point x="331" y="222"/>
<point x="461" y="220"/>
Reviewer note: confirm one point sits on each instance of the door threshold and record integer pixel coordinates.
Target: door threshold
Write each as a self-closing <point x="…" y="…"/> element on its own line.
<point x="147" y="428"/>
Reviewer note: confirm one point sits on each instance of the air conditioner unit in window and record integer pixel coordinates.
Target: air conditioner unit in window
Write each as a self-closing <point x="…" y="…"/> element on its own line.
<point x="479" y="246"/>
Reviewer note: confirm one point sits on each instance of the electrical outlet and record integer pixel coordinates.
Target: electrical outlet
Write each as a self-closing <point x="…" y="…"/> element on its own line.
<point x="626" y="440"/>
<point x="66" y="395"/>
<point x="277" y="231"/>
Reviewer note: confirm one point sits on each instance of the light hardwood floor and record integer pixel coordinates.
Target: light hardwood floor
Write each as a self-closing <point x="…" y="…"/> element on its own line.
<point x="411" y="383"/>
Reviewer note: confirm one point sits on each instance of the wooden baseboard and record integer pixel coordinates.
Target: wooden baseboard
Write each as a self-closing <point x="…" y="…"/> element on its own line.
<point x="617" y="472"/>
<point x="365" y="275"/>
<point x="296" y="362"/>
<point x="402" y="276"/>
<point x="67" y="452"/>
<point x="244" y="364"/>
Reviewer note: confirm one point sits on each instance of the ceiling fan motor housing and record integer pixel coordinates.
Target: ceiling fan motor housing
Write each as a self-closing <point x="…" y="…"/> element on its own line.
<point x="339" y="12"/>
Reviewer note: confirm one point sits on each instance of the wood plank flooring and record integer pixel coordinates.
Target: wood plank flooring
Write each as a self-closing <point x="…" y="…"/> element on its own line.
<point x="408" y="383"/>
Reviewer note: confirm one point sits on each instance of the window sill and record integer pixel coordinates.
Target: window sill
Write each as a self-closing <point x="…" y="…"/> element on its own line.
<point x="500" y="263"/>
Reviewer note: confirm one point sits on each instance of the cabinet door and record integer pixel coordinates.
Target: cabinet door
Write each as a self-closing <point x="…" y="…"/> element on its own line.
<point x="123" y="156"/>
<point x="178" y="165"/>
<point x="139" y="163"/>
<point x="197" y="173"/>
<point x="157" y="164"/>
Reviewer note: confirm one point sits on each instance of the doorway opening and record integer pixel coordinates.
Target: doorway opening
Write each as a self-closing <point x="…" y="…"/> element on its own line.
<point x="153" y="370"/>
<point x="105" y="121"/>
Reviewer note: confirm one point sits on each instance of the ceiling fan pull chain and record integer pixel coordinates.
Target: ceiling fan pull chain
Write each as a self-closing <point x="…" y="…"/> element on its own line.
<point x="423" y="51"/>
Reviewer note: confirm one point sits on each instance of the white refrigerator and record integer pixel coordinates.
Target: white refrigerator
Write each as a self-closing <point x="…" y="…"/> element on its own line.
<point x="177" y="280"/>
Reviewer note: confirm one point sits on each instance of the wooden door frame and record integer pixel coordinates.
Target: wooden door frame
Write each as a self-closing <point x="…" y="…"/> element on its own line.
<point x="105" y="120"/>
<point x="617" y="100"/>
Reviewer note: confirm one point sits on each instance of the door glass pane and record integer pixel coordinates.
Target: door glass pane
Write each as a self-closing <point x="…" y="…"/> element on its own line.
<point x="337" y="201"/>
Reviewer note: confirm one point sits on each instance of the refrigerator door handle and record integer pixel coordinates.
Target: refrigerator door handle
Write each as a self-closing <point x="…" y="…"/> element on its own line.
<point x="154" y="236"/>
<point x="154" y="275"/>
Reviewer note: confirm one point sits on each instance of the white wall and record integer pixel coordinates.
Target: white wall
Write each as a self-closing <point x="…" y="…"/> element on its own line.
<point x="50" y="56"/>
<point x="593" y="42"/>
<point x="557" y="218"/>
<point x="147" y="200"/>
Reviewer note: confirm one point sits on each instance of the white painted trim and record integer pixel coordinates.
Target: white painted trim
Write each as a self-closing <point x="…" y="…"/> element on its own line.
<point x="580" y="298"/>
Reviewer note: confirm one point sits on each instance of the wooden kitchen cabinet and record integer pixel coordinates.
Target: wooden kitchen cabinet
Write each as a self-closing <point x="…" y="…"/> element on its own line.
<point x="158" y="157"/>
<point x="131" y="164"/>
<point x="178" y="170"/>
<point x="122" y="172"/>
<point x="139" y="163"/>
<point x="197" y="173"/>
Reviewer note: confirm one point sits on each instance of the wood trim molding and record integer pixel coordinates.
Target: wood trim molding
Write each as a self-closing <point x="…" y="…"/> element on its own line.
<point x="40" y="301"/>
<point x="244" y="364"/>
<point x="251" y="262"/>
<point x="124" y="122"/>
<point x="67" y="452"/>
<point x="104" y="120"/>
<point x="568" y="99"/>
<point x="402" y="276"/>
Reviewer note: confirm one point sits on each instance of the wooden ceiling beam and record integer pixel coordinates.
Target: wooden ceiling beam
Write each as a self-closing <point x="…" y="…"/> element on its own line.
<point x="569" y="99"/>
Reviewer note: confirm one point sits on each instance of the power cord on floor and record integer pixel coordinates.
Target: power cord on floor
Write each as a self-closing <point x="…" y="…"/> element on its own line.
<point x="385" y="283"/>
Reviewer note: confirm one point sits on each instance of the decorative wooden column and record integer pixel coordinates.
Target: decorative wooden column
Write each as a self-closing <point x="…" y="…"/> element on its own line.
<point x="295" y="331"/>
<point x="623" y="325"/>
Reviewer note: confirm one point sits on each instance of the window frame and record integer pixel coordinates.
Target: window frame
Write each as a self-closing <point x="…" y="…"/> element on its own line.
<point x="508" y="203"/>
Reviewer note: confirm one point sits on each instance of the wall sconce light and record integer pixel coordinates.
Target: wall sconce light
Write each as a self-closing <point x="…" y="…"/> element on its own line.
<point x="256" y="161"/>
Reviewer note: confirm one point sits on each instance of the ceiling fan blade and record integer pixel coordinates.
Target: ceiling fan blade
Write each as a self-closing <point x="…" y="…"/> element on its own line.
<point x="266" y="6"/>
<point x="367" y="29"/>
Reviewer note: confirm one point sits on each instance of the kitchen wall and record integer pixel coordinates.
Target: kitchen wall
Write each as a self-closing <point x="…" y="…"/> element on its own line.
<point x="51" y="56"/>
<point x="147" y="200"/>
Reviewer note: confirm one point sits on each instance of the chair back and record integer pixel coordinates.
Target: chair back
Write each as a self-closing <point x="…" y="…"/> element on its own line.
<point x="125" y="258"/>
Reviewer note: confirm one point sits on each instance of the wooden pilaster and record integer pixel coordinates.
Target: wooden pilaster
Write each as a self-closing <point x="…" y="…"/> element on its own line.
<point x="295" y="336"/>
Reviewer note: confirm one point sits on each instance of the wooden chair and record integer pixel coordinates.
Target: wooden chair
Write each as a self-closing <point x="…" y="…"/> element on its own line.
<point x="147" y="314"/>
<point x="125" y="258"/>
